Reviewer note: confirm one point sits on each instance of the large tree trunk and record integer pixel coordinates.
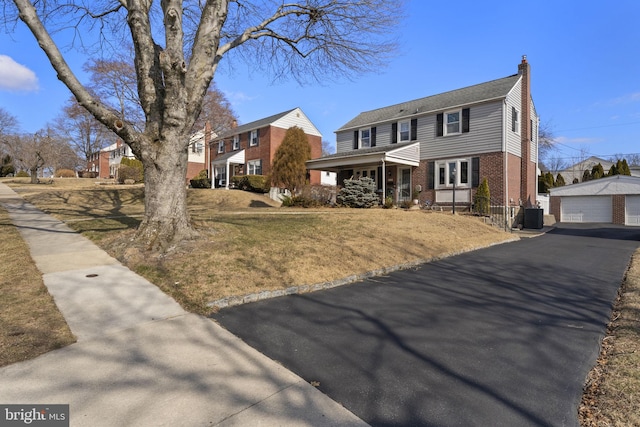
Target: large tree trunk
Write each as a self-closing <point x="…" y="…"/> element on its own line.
<point x="166" y="220"/>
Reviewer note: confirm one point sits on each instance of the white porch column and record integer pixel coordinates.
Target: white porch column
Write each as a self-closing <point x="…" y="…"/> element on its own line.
<point x="384" y="181"/>
<point x="226" y="180"/>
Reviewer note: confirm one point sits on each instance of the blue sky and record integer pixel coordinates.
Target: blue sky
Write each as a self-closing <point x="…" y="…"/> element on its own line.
<point x="584" y="59"/>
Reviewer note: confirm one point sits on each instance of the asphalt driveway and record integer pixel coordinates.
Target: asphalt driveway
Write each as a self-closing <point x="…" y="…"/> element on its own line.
<point x="503" y="336"/>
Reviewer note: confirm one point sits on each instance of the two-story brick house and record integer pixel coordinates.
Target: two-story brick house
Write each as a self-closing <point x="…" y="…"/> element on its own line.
<point x="249" y="149"/>
<point x="489" y="130"/>
<point x="105" y="162"/>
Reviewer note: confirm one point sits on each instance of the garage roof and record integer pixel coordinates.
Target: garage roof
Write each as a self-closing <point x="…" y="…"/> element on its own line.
<point x="618" y="184"/>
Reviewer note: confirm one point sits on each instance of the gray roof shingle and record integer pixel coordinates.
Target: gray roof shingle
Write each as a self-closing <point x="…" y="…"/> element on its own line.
<point x="254" y="125"/>
<point x="469" y="95"/>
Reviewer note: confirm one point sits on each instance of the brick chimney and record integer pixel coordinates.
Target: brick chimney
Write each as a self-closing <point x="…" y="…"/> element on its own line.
<point x="528" y="169"/>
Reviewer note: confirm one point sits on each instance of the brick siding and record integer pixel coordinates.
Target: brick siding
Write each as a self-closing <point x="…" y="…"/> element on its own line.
<point x="619" y="206"/>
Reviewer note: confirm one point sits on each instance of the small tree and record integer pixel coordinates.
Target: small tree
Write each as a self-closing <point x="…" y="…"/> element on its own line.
<point x="358" y="193"/>
<point x="482" y="199"/>
<point x="624" y="168"/>
<point x="289" y="169"/>
<point x="130" y="169"/>
<point x="613" y="170"/>
<point x="560" y="182"/>
<point x="586" y="176"/>
<point x="7" y="167"/>
<point x="548" y="179"/>
<point x="597" y="171"/>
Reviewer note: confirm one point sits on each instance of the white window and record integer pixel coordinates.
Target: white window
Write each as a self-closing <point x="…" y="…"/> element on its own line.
<point x="452" y="122"/>
<point x="236" y="142"/>
<point x="450" y="171"/>
<point x="404" y="131"/>
<point x="221" y="147"/>
<point x="254" y="167"/>
<point x="365" y="138"/>
<point x="253" y="138"/>
<point x="515" y="120"/>
<point x="220" y="174"/>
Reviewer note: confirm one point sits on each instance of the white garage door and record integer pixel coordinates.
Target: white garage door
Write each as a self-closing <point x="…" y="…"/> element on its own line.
<point x="586" y="209"/>
<point x="632" y="207"/>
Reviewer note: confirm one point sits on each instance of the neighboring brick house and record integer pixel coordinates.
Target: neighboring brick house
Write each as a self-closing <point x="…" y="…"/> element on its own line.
<point x="105" y="163"/>
<point x="489" y="130"/>
<point x="249" y="149"/>
<point x="199" y="151"/>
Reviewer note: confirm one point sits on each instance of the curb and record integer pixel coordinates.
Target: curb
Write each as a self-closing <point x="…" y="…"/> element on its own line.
<point x="304" y="289"/>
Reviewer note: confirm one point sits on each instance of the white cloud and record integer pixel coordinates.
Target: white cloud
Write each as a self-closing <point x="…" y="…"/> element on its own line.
<point x="16" y="77"/>
<point x="238" y="97"/>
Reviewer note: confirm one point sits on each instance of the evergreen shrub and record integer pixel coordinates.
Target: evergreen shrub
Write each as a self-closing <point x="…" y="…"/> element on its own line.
<point x="358" y="193"/>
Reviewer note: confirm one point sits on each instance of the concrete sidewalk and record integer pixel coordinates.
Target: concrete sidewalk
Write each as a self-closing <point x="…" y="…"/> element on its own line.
<point x="141" y="360"/>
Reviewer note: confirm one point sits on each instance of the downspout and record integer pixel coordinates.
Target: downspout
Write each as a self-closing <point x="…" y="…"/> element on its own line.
<point x="506" y="166"/>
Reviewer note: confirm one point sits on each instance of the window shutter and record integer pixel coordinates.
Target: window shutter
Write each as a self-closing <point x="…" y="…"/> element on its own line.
<point x="394" y="133"/>
<point x="249" y="139"/>
<point x="440" y="124"/>
<point x="257" y="136"/>
<point x="355" y="139"/>
<point x="431" y="170"/>
<point x="373" y="136"/>
<point x="513" y="119"/>
<point x="414" y="129"/>
<point x="380" y="178"/>
<point x="465" y="120"/>
<point x="475" y="172"/>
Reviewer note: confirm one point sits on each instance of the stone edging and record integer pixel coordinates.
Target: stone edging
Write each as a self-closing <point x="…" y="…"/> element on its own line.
<point x="303" y="289"/>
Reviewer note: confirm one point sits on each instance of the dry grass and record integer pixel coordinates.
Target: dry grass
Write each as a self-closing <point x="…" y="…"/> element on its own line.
<point x="612" y="393"/>
<point x="248" y="245"/>
<point x="30" y="323"/>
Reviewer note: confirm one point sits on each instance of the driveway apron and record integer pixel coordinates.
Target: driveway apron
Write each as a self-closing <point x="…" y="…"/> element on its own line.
<point x="503" y="336"/>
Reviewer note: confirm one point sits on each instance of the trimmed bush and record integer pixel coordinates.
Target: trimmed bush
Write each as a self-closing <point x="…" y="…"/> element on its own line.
<point x="310" y="196"/>
<point x="358" y="193"/>
<point x="130" y="169"/>
<point x="254" y="183"/>
<point x="200" y="183"/>
<point x="23" y="174"/>
<point x="482" y="199"/>
<point x="65" y="173"/>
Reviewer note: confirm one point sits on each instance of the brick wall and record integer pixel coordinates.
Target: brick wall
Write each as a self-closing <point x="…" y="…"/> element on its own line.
<point x="619" y="206"/>
<point x="194" y="169"/>
<point x="554" y="207"/>
<point x="491" y="168"/>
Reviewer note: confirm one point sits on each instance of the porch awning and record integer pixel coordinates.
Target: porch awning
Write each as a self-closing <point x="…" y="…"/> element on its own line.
<point x="235" y="157"/>
<point x="402" y="154"/>
<point x="226" y="160"/>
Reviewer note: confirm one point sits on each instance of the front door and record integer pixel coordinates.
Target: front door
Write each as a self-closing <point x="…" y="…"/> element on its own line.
<point x="404" y="185"/>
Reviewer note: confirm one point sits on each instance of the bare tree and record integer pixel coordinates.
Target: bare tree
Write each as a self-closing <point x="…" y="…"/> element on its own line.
<point x="85" y="134"/>
<point x="546" y="140"/>
<point x="8" y="123"/>
<point x="114" y="83"/>
<point x="178" y="47"/>
<point x="42" y="150"/>
<point x="328" y="148"/>
<point x="217" y="111"/>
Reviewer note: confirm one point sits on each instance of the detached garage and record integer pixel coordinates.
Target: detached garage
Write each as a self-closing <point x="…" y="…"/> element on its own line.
<point x="614" y="200"/>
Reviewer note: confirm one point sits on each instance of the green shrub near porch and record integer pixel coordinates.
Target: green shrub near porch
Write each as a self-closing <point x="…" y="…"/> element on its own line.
<point x="254" y="183"/>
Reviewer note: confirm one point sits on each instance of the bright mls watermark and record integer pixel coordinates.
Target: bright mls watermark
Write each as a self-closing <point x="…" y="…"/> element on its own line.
<point x="34" y="415"/>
